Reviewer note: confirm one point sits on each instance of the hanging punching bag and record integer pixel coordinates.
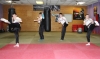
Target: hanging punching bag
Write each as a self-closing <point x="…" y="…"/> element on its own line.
<point x="47" y="15"/>
<point x="11" y="11"/>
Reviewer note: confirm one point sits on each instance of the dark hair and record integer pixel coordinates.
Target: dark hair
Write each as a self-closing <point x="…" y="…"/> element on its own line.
<point x="86" y="14"/>
<point x="40" y="13"/>
<point x="60" y="14"/>
<point x="13" y="14"/>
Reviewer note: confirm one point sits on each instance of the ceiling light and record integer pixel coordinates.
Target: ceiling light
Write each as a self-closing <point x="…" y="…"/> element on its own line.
<point x="80" y="3"/>
<point x="9" y="1"/>
<point x="39" y="2"/>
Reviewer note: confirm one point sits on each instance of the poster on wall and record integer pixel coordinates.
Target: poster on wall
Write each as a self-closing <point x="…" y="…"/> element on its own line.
<point x="95" y="11"/>
<point x="41" y="7"/>
<point x="56" y="16"/>
<point x="55" y="7"/>
<point x="69" y="17"/>
<point x="38" y="7"/>
<point x="78" y="14"/>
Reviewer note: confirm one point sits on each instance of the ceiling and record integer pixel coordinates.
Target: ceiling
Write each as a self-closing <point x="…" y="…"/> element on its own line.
<point x="52" y="2"/>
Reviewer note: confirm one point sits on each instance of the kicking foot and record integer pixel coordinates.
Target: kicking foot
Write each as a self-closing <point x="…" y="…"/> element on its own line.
<point x="96" y="23"/>
<point x="4" y="20"/>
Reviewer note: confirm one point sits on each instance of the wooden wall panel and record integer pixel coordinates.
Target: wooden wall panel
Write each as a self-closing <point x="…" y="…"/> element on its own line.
<point x="27" y="14"/>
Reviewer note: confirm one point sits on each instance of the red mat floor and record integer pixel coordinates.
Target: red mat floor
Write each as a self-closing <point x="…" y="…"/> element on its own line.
<point x="51" y="51"/>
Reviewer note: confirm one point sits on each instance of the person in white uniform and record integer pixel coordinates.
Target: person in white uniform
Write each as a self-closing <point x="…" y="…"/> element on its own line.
<point x="15" y="26"/>
<point x="40" y="20"/>
<point x="90" y="24"/>
<point x="64" y="23"/>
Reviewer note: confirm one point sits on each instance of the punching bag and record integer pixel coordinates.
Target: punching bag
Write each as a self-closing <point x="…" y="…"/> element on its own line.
<point x="11" y="11"/>
<point x="47" y="20"/>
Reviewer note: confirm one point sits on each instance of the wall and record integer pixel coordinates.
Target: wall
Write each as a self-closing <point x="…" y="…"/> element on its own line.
<point x="1" y="15"/>
<point x="28" y="15"/>
<point x="90" y="12"/>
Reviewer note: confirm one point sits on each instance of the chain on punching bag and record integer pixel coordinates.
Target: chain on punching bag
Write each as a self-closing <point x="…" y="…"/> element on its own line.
<point x="11" y="11"/>
<point x="47" y="15"/>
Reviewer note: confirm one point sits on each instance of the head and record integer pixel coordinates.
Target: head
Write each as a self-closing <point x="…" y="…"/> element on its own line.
<point x="60" y="15"/>
<point x="40" y="13"/>
<point x="14" y="15"/>
<point x="87" y="16"/>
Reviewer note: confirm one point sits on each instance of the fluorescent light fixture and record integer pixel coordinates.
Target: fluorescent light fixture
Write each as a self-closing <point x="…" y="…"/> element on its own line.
<point x="80" y="3"/>
<point x="39" y="2"/>
<point x="9" y="1"/>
